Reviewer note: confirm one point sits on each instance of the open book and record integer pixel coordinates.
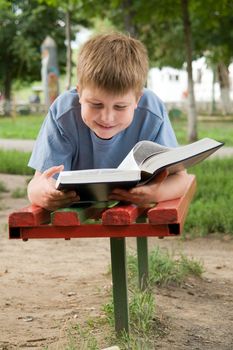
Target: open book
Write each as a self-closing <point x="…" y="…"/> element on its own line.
<point x="144" y="161"/>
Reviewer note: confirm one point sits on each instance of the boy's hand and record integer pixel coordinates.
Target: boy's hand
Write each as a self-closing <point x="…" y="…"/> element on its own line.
<point x="140" y="195"/>
<point x="42" y="191"/>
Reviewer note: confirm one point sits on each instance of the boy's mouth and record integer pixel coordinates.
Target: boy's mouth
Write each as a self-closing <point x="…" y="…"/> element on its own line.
<point x="106" y="127"/>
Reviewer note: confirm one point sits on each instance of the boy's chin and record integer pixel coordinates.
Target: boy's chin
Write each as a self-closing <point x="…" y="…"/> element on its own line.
<point x="102" y="137"/>
<point x="105" y="135"/>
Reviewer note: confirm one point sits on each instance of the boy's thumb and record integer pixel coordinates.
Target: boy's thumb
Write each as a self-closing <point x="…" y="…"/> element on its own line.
<point x="53" y="170"/>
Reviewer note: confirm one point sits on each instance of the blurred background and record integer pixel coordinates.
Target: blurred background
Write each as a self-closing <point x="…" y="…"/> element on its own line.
<point x="189" y="44"/>
<point x="190" y="47"/>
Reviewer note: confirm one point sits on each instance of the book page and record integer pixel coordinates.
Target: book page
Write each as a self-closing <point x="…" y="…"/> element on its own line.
<point x="98" y="175"/>
<point x="129" y="162"/>
<point x="140" y="152"/>
<point x="187" y="156"/>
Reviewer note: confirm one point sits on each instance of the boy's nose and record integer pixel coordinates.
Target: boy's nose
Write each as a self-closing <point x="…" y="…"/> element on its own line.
<point x="107" y="116"/>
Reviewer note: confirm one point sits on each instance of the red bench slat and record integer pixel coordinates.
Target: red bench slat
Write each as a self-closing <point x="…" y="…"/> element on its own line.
<point x="95" y="231"/>
<point x="121" y="215"/>
<point x="173" y="211"/>
<point x="29" y="216"/>
<point x="165" y="219"/>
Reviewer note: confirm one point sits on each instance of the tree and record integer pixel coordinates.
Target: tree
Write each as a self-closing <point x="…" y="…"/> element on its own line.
<point x="213" y="36"/>
<point x="74" y="12"/>
<point x="158" y="26"/>
<point x="180" y="31"/>
<point x="25" y="24"/>
<point x="192" y="114"/>
<point x="8" y="32"/>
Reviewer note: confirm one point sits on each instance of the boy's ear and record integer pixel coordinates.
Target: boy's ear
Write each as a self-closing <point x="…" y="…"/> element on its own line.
<point x="77" y="88"/>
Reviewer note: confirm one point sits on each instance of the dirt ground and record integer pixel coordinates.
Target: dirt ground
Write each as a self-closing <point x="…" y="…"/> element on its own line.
<point x="45" y="284"/>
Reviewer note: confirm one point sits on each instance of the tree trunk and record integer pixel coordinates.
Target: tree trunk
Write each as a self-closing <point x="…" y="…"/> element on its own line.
<point x="213" y="105"/>
<point x="68" y="52"/>
<point x="7" y="95"/>
<point x="192" y="115"/>
<point x="129" y="18"/>
<point x="224" y="82"/>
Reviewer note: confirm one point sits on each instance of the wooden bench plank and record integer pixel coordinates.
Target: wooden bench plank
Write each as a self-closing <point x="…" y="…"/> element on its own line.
<point x="29" y="216"/>
<point x="68" y="216"/>
<point x="166" y="219"/>
<point x="94" y="230"/>
<point x="75" y="216"/>
<point x="173" y="211"/>
<point x="122" y="215"/>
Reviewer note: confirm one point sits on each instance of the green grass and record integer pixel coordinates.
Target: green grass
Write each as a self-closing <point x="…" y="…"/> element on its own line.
<point x="145" y="324"/>
<point x="210" y="211"/>
<point x="142" y="311"/>
<point x="21" y="127"/>
<point x="84" y="336"/>
<point x="27" y="127"/>
<point x="14" y="162"/>
<point x="143" y="321"/>
<point x="166" y="269"/>
<point x="221" y="130"/>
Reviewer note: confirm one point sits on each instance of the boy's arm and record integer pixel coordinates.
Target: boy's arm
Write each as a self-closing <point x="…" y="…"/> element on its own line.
<point x="161" y="189"/>
<point x="42" y="191"/>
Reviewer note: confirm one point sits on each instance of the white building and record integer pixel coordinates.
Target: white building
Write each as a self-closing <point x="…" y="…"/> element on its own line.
<point x="171" y="84"/>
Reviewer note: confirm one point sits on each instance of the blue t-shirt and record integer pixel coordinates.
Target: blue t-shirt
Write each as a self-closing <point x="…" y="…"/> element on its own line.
<point x="65" y="139"/>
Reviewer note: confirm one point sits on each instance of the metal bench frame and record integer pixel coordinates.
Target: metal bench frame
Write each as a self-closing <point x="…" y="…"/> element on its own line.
<point x="162" y="220"/>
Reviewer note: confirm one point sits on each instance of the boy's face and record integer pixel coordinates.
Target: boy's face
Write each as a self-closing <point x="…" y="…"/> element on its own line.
<point x="107" y="114"/>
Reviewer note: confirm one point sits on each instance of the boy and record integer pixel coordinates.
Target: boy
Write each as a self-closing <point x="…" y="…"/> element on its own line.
<point x="98" y="123"/>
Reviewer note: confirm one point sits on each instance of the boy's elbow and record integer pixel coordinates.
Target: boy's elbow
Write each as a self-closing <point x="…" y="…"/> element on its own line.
<point x="183" y="179"/>
<point x="30" y="192"/>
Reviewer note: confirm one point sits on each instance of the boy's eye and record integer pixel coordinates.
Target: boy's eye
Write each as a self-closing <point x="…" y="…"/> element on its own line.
<point x="96" y="105"/>
<point x="120" y="107"/>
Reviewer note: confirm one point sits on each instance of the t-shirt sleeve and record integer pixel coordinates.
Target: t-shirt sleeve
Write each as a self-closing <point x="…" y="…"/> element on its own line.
<point x="52" y="147"/>
<point x="166" y="135"/>
<point x="156" y="125"/>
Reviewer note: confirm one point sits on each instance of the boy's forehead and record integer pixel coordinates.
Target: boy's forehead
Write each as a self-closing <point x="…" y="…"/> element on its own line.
<point x="97" y="93"/>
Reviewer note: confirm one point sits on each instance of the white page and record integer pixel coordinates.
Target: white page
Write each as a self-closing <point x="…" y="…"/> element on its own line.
<point x="203" y="147"/>
<point x="141" y="151"/>
<point x="129" y="162"/>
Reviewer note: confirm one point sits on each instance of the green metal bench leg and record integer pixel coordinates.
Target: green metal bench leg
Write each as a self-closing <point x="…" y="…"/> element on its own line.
<point x="142" y="252"/>
<point x="119" y="279"/>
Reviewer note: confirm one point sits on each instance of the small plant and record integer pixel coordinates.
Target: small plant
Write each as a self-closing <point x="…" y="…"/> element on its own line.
<point x="142" y="321"/>
<point x="19" y="193"/>
<point x="81" y="338"/>
<point x="164" y="269"/>
<point x="108" y="309"/>
<point x="190" y="266"/>
<point x="142" y="311"/>
<point x="3" y="187"/>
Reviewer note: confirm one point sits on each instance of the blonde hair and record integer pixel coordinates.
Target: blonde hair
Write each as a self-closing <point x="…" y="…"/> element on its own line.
<point x="113" y="62"/>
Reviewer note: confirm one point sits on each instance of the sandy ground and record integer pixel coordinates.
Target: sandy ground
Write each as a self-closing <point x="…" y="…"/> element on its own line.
<point x="45" y="284"/>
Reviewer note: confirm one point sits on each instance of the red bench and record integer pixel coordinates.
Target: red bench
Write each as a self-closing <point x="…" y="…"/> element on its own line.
<point x="118" y="222"/>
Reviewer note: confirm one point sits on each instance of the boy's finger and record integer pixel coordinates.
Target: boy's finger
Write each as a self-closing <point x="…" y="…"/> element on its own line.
<point x="53" y="170"/>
